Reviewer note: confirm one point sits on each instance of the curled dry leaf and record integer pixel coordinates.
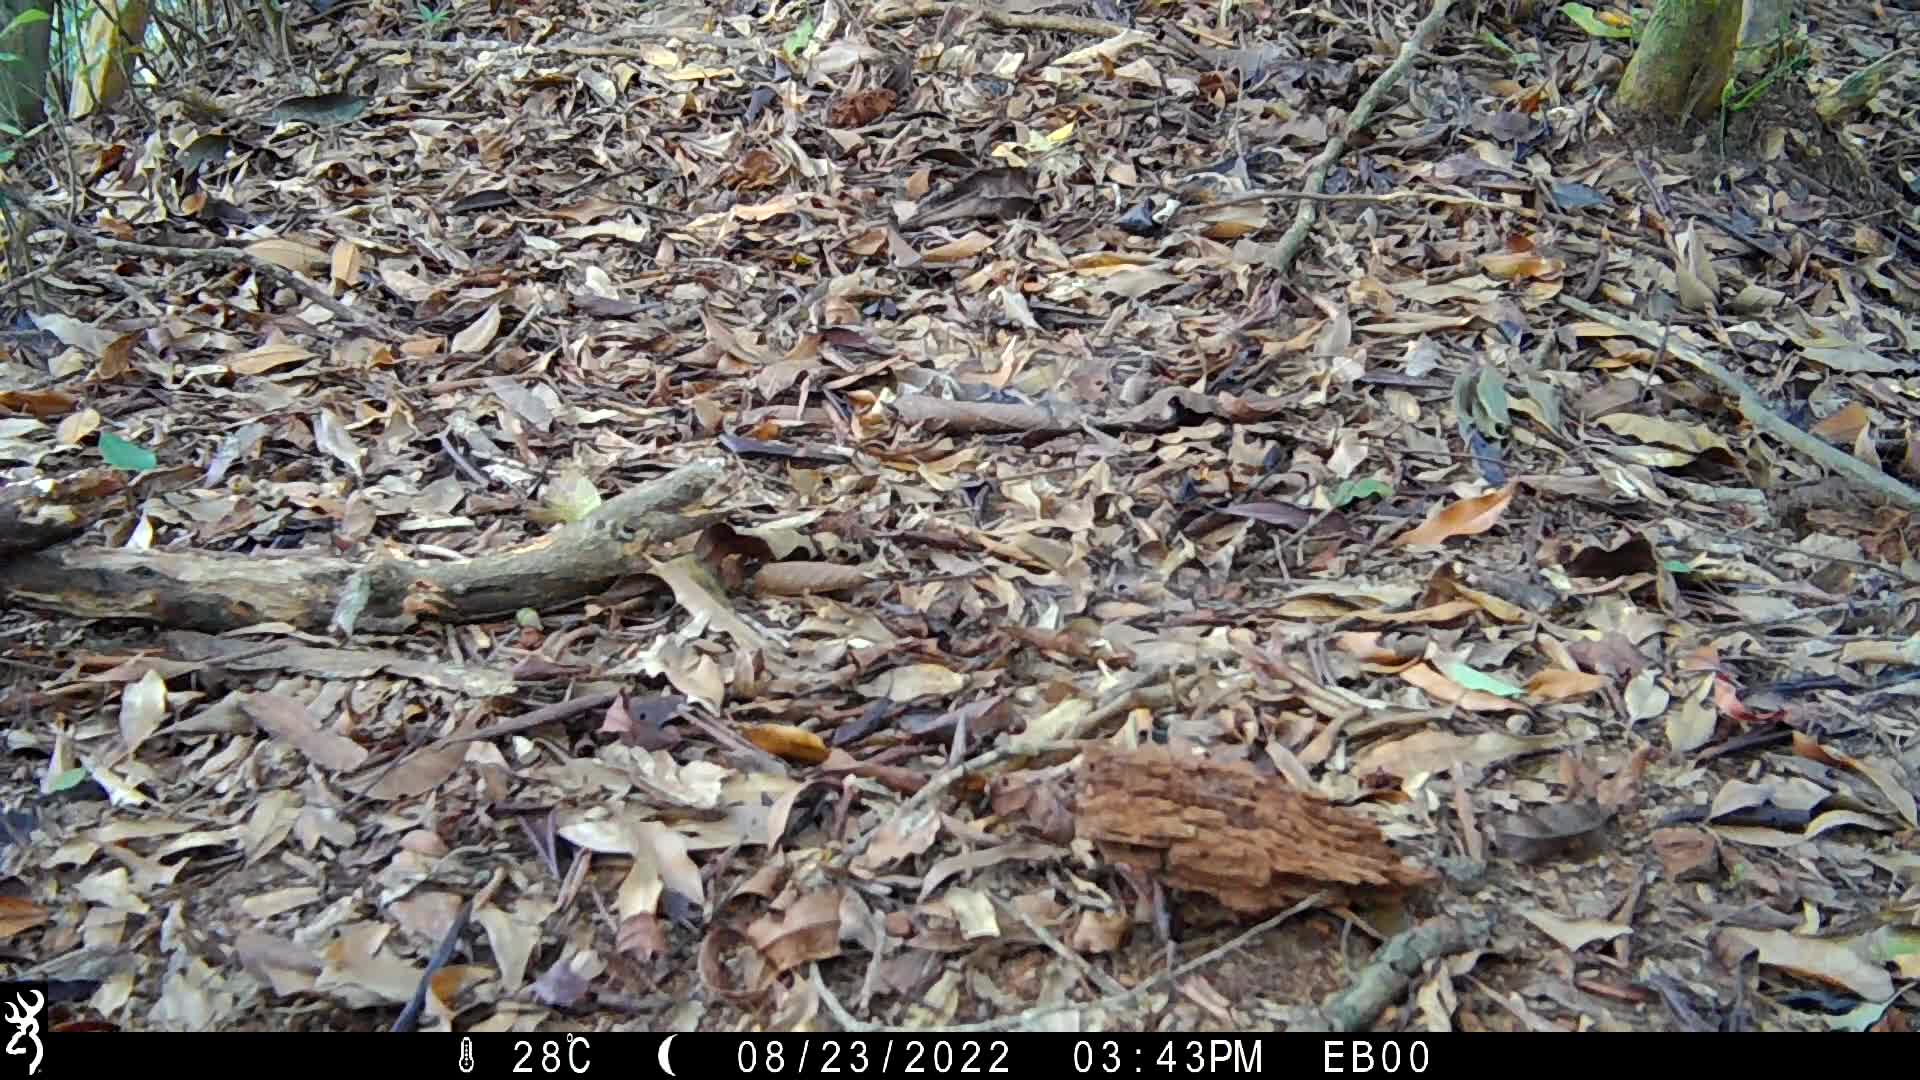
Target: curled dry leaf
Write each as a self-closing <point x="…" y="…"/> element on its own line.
<point x="788" y="742"/>
<point x="1468" y="517"/>
<point x="1559" y="685"/>
<point x="806" y="931"/>
<point x="800" y="578"/>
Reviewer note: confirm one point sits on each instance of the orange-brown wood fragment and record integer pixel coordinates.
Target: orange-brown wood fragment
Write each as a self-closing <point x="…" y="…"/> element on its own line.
<point x="1249" y="841"/>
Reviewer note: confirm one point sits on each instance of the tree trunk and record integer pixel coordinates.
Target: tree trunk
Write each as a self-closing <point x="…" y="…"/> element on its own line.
<point x="23" y="80"/>
<point x="1683" y="61"/>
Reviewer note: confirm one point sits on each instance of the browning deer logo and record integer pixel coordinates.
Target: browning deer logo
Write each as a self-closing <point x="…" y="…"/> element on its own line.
<point x="25" y="1019"/>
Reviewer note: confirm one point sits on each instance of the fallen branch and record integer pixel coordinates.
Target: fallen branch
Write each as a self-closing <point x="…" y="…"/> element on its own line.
<point x="1757" y="412"/>
<point x="219" y="592"/>
<point x="1392" y="969"/>
<point x="1005" y="20"/>
<point x="1296" y="235"/>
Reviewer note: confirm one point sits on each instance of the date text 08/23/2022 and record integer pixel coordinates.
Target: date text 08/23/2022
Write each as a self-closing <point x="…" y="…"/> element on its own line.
<point x="1127" y="1055"/>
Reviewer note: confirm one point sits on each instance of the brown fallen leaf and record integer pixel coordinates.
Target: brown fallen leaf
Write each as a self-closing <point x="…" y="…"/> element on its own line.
<point x="807" y="930"/>
<point x="284" y="718"/>
<point x="1556" y="684"/>
<point x="788" y="742"/>
<point x="1467" y="517"/>
<point x="18" y="915"/>
<point x="1834" y="961"/>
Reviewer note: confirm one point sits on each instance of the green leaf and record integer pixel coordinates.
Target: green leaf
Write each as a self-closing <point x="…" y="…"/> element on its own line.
<point x="1676" y="566"/>
<point x="801" y="37"/>
<point x="1474" y="680"/>
<point x="25" y="18"/>
<point x="1491" y="390"/>
<point x="1584" y="17"/>
<point x="1354" y="490"/>
<point x="122" y="454"/>
<point x="67" y="780"/>
<point x="1546" y="397"/>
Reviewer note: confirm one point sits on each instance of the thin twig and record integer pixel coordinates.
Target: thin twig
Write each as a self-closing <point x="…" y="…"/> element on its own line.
<point x="219" y="256"/>
<point x="1117" y="702"/>
<point x="1757" y="412"/>
<point x="1360" y="197"/>
<point x="1026" y="1018"/>
<point x="547" y="714"/>
<point x="1107" y="983"/>
<point x="1296" y="235"/>
<point x="443" y="952"/>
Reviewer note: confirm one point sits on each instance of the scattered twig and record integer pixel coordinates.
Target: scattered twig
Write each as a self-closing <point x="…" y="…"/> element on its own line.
<point x="1026" y="1018"/>
<point x="1107" y="983"/>
<point x="1296" y="235"/>
<point x="1005" y="20"/>
<point x="547" y="714"/>
<point x="443" y="952"/>
<point x="1757" y="413"/>
<point x="1117" y="701"/>
<point x="222" y="256"/>
<point x="1361" y="197"/>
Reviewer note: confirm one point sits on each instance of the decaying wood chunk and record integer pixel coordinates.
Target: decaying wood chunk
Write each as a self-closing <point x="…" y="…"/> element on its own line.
<point x="1249" y="841"/>
<point x="43" y="512"/>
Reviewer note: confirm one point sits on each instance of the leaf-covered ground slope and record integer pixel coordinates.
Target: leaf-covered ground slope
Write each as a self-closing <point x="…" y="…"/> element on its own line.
<point x="1072" y="400"/>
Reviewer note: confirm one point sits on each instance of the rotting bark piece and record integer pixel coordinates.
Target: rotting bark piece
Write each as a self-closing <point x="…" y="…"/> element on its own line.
<point x="43" y="512"/>
<point x="1249" y="841"/>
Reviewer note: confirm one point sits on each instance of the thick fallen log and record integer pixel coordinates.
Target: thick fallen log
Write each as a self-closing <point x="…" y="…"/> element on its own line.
<point x="217" y="592"/>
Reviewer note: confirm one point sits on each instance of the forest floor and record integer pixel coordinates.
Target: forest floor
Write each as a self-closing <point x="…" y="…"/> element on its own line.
<point x="1083" y="391"/>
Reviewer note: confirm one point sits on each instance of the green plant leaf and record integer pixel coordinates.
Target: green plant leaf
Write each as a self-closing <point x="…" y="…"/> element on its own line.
<point x="25" y="18"/>
<point x="1474" y="680"/>
<point x="1585" y="18"/>
<point x="801" y="37"/>
<point x="1354" y="490"/>
<point x="67" y="780"/>
<point x="122" y="454"/>
<point x="1491" y="390"/>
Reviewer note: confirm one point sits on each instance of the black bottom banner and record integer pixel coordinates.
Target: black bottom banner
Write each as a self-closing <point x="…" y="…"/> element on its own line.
<point x="700" y="1055"/>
